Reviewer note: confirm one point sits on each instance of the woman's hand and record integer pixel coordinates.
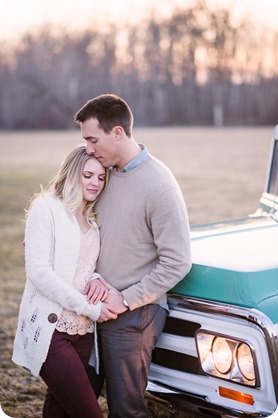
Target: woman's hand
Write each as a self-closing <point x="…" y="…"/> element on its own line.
<point x="96" y="290"/>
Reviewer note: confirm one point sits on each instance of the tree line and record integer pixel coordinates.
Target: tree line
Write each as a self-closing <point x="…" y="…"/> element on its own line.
<point x="196" y="67"/>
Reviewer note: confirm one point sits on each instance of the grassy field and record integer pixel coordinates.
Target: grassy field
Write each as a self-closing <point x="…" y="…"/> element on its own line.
<point x="221" y="173"/>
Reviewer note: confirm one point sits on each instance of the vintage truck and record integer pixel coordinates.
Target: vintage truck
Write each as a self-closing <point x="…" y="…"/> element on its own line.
<point x="218" y="353"/>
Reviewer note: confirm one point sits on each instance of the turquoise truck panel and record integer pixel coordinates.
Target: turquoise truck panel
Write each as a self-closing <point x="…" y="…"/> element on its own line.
<point x="257" y="290"/>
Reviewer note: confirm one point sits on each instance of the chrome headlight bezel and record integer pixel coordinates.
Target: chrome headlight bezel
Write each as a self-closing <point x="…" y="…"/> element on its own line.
<point x="238" y="357"/>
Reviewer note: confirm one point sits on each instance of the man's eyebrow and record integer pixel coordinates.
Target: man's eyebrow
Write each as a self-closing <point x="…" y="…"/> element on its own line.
<point x="90" y="137"/>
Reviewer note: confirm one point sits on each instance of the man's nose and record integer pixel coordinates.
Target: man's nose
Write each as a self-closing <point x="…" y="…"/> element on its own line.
<point x="90" y="148"/>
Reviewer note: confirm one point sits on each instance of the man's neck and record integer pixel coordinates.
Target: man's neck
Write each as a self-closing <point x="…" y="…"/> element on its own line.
<point x="131" y="152"/>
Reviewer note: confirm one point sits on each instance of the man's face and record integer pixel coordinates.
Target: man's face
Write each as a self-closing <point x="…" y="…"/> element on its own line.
<point x="103" y="146"/>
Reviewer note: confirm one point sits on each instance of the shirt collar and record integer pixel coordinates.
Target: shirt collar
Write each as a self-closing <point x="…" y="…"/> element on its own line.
<point x="142" y="156"/>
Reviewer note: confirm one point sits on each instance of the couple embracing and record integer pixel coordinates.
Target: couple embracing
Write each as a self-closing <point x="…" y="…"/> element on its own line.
<point x="104" y="243"/>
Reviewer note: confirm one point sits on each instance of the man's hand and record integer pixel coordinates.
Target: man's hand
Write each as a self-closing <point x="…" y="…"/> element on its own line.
<point x="107" y="312"/>
<point x="115" y="299"/>
<point x="112" y="306"/>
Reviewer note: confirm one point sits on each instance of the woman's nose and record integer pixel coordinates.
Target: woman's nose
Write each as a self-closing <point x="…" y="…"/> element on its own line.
<point x="95" y="180"/>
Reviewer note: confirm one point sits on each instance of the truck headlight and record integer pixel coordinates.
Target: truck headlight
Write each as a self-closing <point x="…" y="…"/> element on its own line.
<point x="245" y="361"/>
<point x="226" y="358"/>
<point x="222" y="355"/>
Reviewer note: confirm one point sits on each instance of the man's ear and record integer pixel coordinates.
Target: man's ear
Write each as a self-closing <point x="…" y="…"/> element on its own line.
<point x="118" y="131"/>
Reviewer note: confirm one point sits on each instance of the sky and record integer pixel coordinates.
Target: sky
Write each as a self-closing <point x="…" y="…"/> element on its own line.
<point x="19" y="16"/>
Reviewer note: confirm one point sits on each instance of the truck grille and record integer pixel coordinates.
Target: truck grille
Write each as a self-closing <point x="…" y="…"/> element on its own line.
<point x="173" y="359"/>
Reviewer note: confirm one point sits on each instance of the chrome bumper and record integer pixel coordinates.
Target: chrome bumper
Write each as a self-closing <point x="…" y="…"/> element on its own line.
<point x="181" y="405"/>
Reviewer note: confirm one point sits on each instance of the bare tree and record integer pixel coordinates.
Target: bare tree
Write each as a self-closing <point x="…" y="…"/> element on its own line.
<point x="195" y="67"/>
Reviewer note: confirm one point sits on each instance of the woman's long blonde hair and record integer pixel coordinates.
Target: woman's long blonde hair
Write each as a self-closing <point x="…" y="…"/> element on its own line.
<point x="66" y="184"/>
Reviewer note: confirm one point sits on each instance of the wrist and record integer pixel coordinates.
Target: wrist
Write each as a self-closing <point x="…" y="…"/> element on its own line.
<point x="94" y="277"/>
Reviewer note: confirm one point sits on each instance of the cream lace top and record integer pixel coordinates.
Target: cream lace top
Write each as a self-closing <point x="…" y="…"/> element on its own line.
<point x="69" y="321"/>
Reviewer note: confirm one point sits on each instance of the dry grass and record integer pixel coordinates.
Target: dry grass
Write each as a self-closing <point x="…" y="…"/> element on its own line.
<point x="221" y="173"/>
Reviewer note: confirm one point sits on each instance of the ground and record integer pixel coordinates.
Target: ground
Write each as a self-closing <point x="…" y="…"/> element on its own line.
<point x="221" y="173"/>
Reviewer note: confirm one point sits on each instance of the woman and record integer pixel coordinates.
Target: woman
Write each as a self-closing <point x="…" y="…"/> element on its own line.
<point x="63" y="294"/>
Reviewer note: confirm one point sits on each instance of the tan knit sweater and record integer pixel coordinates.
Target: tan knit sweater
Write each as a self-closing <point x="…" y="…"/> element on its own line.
<point x="145" y="240"/>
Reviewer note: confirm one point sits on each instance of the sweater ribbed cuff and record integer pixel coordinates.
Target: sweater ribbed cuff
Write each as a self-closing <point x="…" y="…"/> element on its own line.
<point x="92" y="311"/>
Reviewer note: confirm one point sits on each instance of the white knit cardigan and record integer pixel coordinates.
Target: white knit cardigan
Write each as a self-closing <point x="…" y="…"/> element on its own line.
<point x="52" y="243"/>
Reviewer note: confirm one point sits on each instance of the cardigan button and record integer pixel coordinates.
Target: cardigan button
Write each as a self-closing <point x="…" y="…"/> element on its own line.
<point x="52" y="318"/>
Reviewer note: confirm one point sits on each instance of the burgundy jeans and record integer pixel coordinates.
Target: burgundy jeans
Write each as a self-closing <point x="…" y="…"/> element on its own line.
<point x="69" y="393"/>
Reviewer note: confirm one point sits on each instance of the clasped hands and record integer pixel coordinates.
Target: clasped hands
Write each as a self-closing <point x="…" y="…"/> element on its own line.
<point x="112" y="300"/>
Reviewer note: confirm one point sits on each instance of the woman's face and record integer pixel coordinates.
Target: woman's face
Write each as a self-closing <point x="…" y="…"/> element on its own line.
<point x="92" y="179"/>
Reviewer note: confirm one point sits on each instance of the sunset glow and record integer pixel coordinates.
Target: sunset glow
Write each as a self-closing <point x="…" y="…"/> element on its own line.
<point x="17" y="16"/>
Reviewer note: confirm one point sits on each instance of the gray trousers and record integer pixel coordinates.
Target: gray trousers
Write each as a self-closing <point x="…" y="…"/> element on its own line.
<point x="126" y="347"/>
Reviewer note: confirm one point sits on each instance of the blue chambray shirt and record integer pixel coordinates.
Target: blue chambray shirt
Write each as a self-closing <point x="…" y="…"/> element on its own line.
<point x="138" y="159"/>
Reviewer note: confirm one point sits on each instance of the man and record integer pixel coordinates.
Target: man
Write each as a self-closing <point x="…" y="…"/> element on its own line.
<point x="145" y="249"/>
